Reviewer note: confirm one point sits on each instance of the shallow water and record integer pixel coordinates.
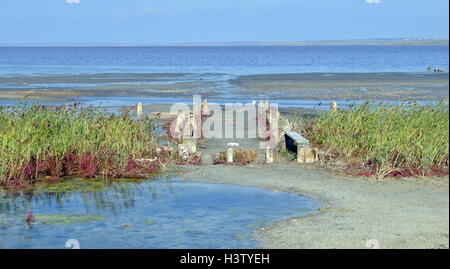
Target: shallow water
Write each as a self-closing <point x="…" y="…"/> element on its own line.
<point x="116" y="104"/>
<point x="150" y="214"/>
<point x="117" y="76"/>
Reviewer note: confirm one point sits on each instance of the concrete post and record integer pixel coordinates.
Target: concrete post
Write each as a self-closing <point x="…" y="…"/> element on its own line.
<point x="139" y="109"/>
<point x="306" y="155"/>
<point x="205" y="110"/>
<point x="333" y="106"/>
<point x="269" y="155"/>
<point x="230" y="153"/>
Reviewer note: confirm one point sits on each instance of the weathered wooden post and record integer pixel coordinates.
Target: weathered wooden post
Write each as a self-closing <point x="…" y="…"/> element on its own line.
<point x="333" y="106"/>
<point x="139" y="110"/>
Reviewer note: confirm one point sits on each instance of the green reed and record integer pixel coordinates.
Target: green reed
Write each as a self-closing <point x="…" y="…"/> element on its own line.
<point x="386" y="138"/>
<point x="32" y="134"/>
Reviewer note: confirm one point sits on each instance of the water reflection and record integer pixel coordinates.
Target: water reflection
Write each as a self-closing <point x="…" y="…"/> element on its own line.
<point x="111" y="195"/>
<point x="163" y="213"/>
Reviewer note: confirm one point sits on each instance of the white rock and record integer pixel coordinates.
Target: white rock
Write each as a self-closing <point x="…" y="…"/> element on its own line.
<point x="233" y="145"/>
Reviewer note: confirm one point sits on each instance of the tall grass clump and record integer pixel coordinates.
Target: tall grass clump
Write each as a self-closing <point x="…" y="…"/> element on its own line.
<point x="39" y="141"/>
<point x="382" y="140"/>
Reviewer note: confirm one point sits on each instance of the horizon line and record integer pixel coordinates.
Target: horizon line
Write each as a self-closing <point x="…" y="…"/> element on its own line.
<point x="369" y="41"/>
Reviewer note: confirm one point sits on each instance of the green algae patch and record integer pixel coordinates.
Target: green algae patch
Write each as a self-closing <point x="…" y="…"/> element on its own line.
<point x="73" y="185"/>
<point x="149" y="222"/>
<point x="76" y="184"/>
<point x="67" y="218"/>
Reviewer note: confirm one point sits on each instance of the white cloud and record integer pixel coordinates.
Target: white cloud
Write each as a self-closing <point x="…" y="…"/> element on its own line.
<point x="72" y="1"/>
<point x="373" y="1"/>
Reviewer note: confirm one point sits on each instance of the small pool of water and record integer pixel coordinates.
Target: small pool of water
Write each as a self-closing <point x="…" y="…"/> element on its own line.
<point x="163" y="213"/>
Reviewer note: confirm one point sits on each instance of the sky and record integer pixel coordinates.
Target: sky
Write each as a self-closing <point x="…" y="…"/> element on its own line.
<point x="190" y="21"/>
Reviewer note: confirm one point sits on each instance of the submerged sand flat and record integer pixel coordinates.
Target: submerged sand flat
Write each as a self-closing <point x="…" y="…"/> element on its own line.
<point x="304" y="86"/>
<point x="349" y="86"/>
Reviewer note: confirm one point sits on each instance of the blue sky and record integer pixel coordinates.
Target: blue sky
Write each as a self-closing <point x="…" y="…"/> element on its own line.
<point x="178" y="21"/>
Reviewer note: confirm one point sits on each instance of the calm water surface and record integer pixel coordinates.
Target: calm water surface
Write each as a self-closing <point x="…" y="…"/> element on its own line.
<point x="150" y="214"/>
<point x="228" y="59"/>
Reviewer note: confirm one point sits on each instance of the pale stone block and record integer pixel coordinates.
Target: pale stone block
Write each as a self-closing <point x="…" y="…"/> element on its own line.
<point x="233" y="144"/>
<point x="306" y="155"/>
<point x="139" y="109"/>
<point x="333" y="106"/>
<point x="205" y="110"/>
<point x="191" y="144"/>
<point x="269" y="155"/>
<point x="230" y="155"/>
<point x="183" y="152"/>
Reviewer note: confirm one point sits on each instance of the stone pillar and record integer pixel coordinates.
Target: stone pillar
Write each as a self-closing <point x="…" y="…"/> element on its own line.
<point x="139" y="110"/>
<point x="230" y="153"/>
<point x="190" y="143"/>
<point x="183" y="152"/>
<point x="333" y="106"/>
<point x="283" y="126"/>
<point x="193" y="125"/>
<point x="261" y="104"/>
<point x="306" y="154"/>
<point x="268" y="114"/>
<point x="205" y="110"/>
<point x="181" y="125"/>
<point x="269" y="155"/>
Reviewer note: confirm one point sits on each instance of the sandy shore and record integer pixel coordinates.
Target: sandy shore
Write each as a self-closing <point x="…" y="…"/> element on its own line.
<point x="407" y="213"/>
